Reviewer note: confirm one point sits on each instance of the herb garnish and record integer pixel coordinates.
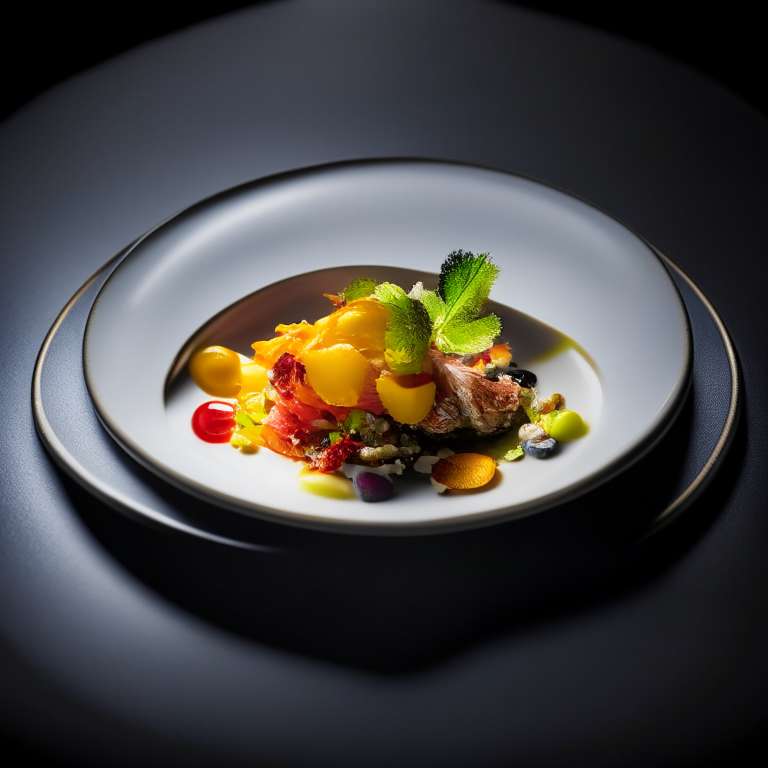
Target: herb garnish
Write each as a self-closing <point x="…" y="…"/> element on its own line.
<point x="453" y="317"/>
<point x="360" y="288"/>
<point x="457" y="307"/>
<point x="408" y="330"/>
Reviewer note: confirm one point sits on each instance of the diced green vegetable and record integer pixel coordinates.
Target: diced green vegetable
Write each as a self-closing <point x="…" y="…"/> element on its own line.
<point x="255" y="408"/>
<point x="547" y="420"/>
<point x="354" y="420"/>
<point x="243" y="420"/>
<point x="514" y="453"/>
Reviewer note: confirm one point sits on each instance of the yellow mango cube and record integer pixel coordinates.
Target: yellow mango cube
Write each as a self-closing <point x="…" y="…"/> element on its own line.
<point x="500" y="354"/>
<point x="360" y="324"/>
<point x="406" y="404"/>
<point x="292" y="339"/>
<point x="336" y="373"/>
<point x="363" y="324"/>
<point x="253" y="379"/>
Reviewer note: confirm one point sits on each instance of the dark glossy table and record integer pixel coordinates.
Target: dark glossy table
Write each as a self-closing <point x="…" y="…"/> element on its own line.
<point x="120" y="644"/>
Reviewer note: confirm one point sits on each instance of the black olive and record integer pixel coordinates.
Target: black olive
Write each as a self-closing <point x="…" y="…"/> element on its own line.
<point x="521" y="376"/>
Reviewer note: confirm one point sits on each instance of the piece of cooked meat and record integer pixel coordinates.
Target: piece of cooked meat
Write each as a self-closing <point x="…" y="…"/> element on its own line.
<point x="466" y="398"/>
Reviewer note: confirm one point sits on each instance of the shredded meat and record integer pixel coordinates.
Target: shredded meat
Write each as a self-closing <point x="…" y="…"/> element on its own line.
<point x="466" y="398"/>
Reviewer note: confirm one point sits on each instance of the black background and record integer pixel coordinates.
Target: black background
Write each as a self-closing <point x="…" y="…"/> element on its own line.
<point x="44" y="46"/>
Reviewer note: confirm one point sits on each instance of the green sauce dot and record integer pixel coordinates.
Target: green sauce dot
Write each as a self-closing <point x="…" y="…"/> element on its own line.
<point x="330" y="485"/>
<point x="568" y="426"/>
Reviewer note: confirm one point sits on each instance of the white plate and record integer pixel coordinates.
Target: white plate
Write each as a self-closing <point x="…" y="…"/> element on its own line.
<point x="564" y="264"/>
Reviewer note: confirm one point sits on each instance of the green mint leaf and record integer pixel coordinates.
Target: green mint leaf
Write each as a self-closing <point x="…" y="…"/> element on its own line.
<point x="469" y="338"/>
<point x="359" y="289"/>
<point x="434" y="305"/>
<point x="462" y="325"/>
<point x="408" y="330"/>
<point x="465" y="284"/>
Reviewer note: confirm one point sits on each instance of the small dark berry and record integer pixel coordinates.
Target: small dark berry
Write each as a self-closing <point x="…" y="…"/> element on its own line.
<point x="540" y="449"/>
<point x="371" y="486"/>
<point x="519" y="375"/>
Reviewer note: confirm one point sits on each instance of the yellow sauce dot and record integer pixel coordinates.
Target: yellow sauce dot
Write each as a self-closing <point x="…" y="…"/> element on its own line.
<point x="328" y="484"/>
<point x="216" y="370"/>
<point x="568" y="426"/>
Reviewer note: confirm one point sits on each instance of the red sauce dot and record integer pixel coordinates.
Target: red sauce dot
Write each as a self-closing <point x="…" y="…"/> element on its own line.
<point x="214" y="421"/>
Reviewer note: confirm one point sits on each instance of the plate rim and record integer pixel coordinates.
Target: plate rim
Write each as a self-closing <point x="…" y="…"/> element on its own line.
<point x="654" y="431"/>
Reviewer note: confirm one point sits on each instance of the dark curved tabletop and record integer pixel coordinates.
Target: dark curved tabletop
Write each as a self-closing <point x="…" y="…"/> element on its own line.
<point x="122" y="645"/>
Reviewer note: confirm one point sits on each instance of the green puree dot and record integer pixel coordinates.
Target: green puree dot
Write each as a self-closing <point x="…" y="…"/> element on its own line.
<point x="568" y="426"/>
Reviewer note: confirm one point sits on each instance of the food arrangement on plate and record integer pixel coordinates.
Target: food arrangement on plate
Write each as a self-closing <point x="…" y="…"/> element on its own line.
<point x="389" y="382"/>
<point x="573" y="302"/>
